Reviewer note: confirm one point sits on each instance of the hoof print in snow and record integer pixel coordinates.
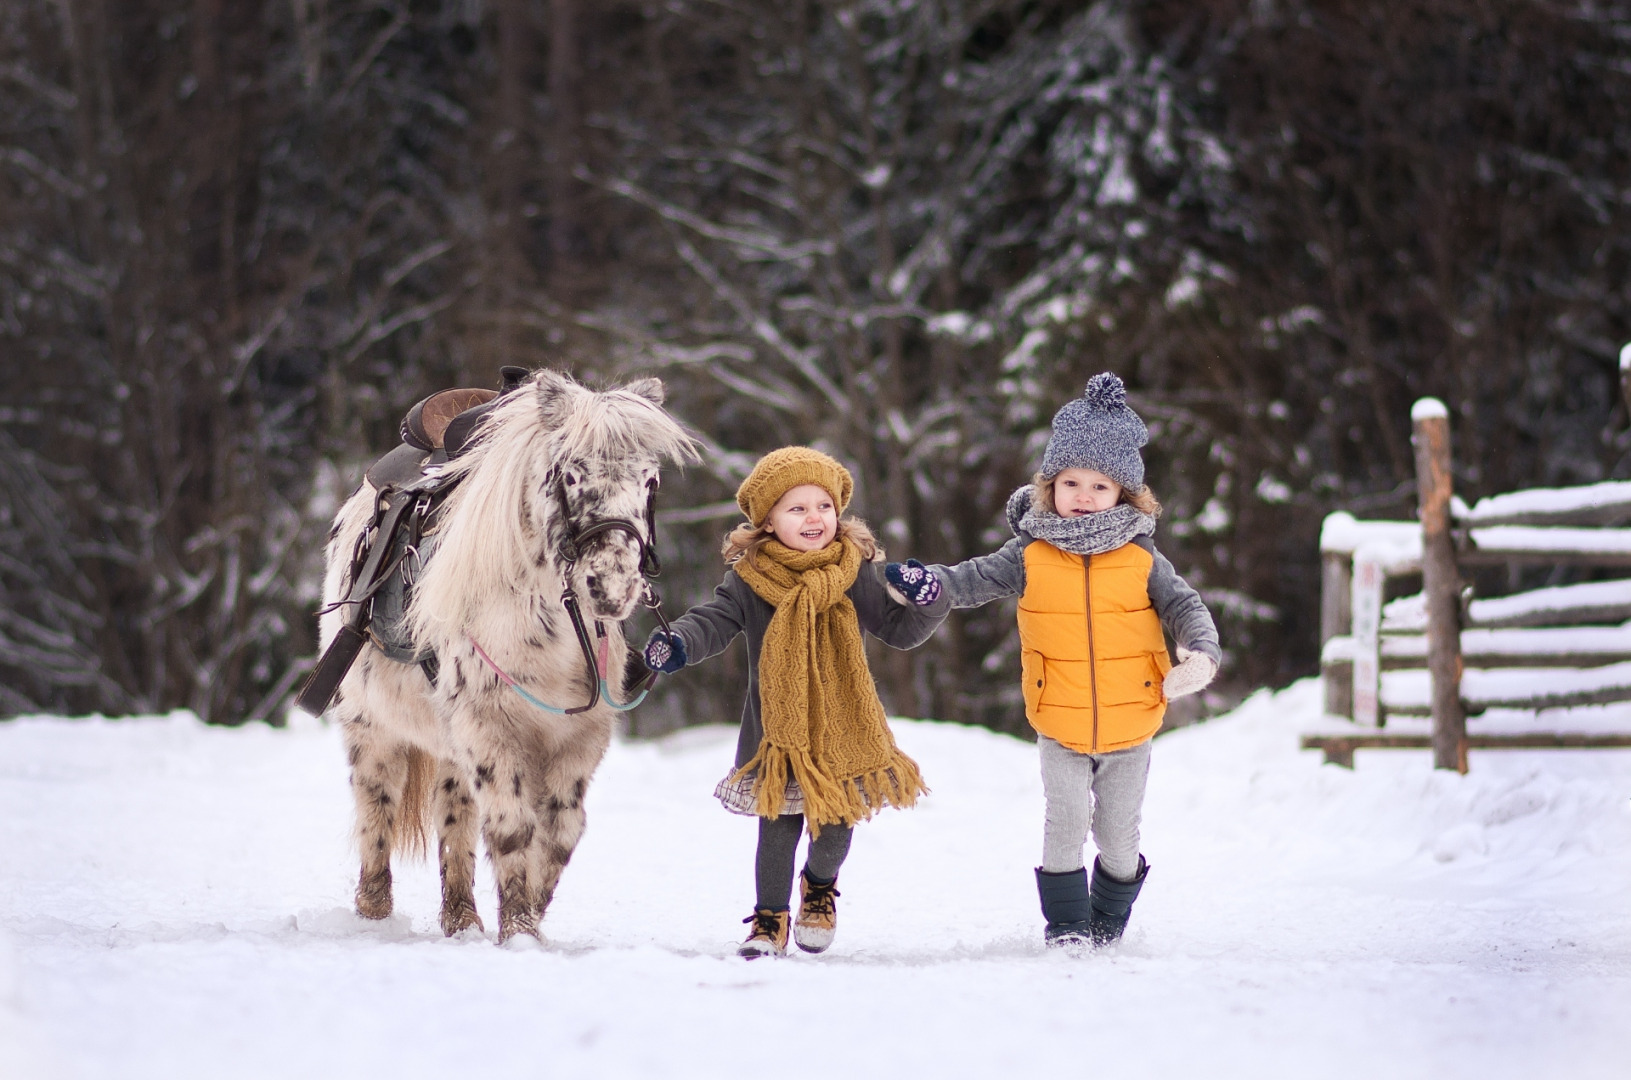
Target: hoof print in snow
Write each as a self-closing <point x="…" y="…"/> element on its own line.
<point x="342" y="922"/>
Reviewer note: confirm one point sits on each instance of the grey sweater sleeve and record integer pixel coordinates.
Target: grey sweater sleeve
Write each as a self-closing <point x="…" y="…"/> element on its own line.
<point x="898" y="625"/>
<point x="708" y="628"/>
<point x="985" y="578"/>
<point x="1180" y="607"/>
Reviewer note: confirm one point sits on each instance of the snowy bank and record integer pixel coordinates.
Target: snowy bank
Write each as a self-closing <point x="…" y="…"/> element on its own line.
<point x="177" y="901"/>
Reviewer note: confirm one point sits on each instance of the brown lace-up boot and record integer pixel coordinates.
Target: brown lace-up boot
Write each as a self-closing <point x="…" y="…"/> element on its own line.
<point x="818" y="914"/>
<point x="768" y="935"/>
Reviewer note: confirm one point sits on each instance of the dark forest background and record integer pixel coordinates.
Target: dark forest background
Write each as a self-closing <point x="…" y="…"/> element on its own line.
<point x="238" y="238"/>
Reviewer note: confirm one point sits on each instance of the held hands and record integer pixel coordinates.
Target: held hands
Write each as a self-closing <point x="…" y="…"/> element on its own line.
<point x="1193" y="672"/>
<point x="665" y="652"/>
<point x="914" y="581"/>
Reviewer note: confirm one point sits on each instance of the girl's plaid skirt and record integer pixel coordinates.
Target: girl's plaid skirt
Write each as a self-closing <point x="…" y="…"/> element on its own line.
<point x="737" y="796"/>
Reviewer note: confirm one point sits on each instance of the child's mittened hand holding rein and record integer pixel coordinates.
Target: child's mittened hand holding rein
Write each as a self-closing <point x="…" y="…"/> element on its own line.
<point x="1193" y="673"/>
<point x="916" y="582"/>
<point x="665" y="652"/>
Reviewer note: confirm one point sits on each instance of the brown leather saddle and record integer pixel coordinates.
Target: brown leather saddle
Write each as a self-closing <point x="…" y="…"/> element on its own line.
<point x="438" y="429"/>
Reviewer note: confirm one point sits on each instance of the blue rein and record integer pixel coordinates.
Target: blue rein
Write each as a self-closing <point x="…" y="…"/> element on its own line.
<point x="605" y="694"/>
<point x="605" y="691"/>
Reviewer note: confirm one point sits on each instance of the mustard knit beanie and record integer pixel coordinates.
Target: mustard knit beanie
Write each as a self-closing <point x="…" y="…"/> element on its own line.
<point x="780" y="471"/>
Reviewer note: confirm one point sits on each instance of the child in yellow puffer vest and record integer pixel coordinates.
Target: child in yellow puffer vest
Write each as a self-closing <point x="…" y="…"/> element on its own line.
<point x="1094" y="594"/>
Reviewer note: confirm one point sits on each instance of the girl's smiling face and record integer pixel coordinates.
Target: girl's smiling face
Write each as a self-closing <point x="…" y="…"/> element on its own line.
<point x="805" y="519"/>
<point x="1083" y="491"/>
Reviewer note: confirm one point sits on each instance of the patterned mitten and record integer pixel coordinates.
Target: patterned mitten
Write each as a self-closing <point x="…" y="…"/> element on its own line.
<point x="1193" y="672"/>
<point x="665" y="652"/>
<point x="914" y="581"/>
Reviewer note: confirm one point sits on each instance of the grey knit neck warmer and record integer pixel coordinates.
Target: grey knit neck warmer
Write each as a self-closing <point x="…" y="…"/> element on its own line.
<point x="1090" y="534"/>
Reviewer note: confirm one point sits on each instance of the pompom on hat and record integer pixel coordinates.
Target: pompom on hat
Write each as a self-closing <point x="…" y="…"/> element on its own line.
<point x="1098" y="431"/>
<point x="780" y="471"/>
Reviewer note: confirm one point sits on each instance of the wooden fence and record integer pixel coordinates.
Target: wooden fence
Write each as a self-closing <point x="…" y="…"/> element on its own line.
<point x="1445" y="652"/>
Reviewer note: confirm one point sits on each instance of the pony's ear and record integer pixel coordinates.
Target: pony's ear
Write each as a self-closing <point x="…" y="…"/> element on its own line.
<point x="554" y="392"/>
<point x="650" y="389"/>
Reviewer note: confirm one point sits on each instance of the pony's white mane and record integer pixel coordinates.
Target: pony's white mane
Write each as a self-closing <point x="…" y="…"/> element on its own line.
<point x="487" y="545"/>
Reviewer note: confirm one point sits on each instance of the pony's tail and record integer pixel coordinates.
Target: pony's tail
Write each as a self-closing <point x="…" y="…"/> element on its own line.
<point x="411" y="835"/>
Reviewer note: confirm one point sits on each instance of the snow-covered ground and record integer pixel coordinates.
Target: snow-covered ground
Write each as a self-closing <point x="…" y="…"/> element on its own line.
<point x="175" y="903"/>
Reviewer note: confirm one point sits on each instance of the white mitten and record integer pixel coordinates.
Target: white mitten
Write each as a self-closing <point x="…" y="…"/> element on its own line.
<point x="1193" y="673"/>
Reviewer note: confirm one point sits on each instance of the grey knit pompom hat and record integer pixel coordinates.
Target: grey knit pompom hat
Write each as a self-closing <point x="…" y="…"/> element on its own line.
<point x="1098" y="431"/>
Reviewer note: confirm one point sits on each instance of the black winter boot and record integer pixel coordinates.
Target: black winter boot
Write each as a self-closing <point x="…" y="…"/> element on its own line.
<point x="1112" y="902"/>
<point x="1065" y="906"/>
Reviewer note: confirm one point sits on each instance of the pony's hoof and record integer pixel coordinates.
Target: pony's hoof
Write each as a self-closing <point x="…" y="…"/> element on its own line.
<point x="375" y="911"/>
<point x="517" y="923"/>
<point x="457" y="918"/>
<point x="374" y="896"/>
<point x="520" y="939"/>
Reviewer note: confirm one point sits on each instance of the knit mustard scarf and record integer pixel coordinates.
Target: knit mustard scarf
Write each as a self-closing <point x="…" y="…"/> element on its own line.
<point x="822" y="718"/>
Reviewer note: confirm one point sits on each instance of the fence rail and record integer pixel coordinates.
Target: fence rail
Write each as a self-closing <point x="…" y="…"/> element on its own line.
<point x="1443" y="652"/>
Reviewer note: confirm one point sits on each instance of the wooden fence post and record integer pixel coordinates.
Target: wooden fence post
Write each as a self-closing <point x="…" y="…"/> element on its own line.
<point x="1441" y="583"/>
<point x="1336" y="620"/>
<point x="1625" y="375"/>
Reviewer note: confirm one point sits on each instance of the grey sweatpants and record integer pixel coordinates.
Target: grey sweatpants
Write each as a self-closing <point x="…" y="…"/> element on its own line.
<point x="1101" y="791"/>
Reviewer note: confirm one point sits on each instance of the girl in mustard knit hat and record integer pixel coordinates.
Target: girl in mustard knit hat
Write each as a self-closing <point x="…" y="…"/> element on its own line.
<point x="1094" y="596"/>
<point x="804" y="582"/>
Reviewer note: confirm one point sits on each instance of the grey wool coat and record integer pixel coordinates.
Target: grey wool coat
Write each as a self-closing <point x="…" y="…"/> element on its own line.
<point x="736" y="609"/>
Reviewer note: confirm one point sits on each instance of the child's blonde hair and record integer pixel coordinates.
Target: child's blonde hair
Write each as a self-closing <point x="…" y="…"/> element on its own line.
<point x="744" y="541"/>
<point x="1143" y="500"/>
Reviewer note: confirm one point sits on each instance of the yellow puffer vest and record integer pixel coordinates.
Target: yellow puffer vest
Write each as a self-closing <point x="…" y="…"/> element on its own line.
<point x="1091" y="652"/>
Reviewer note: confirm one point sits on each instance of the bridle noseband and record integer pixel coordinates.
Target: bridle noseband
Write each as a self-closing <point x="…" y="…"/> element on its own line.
<point x="574" y="539"/>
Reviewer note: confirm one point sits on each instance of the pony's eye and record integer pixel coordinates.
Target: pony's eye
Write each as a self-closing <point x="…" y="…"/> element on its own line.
<point x="571" y="480"/>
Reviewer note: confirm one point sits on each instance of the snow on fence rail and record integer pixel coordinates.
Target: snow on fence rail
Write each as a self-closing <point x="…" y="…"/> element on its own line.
<point x="1442" y="652"/>
<point x="1608" y="503"/>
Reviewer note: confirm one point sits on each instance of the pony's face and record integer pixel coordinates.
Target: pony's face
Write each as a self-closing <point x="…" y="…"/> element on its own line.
<point x="603" y="568"/>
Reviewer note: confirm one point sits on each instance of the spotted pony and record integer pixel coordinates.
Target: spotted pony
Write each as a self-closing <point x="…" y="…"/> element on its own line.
<point x="470" y="755"/>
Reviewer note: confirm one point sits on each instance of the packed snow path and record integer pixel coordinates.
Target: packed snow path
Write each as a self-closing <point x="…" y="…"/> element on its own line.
<point x="175" y="903"/>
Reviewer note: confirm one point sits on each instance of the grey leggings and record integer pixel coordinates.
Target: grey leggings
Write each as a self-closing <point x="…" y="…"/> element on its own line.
<point x="778" y="843"/>
<point x="1104" y="791"/>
